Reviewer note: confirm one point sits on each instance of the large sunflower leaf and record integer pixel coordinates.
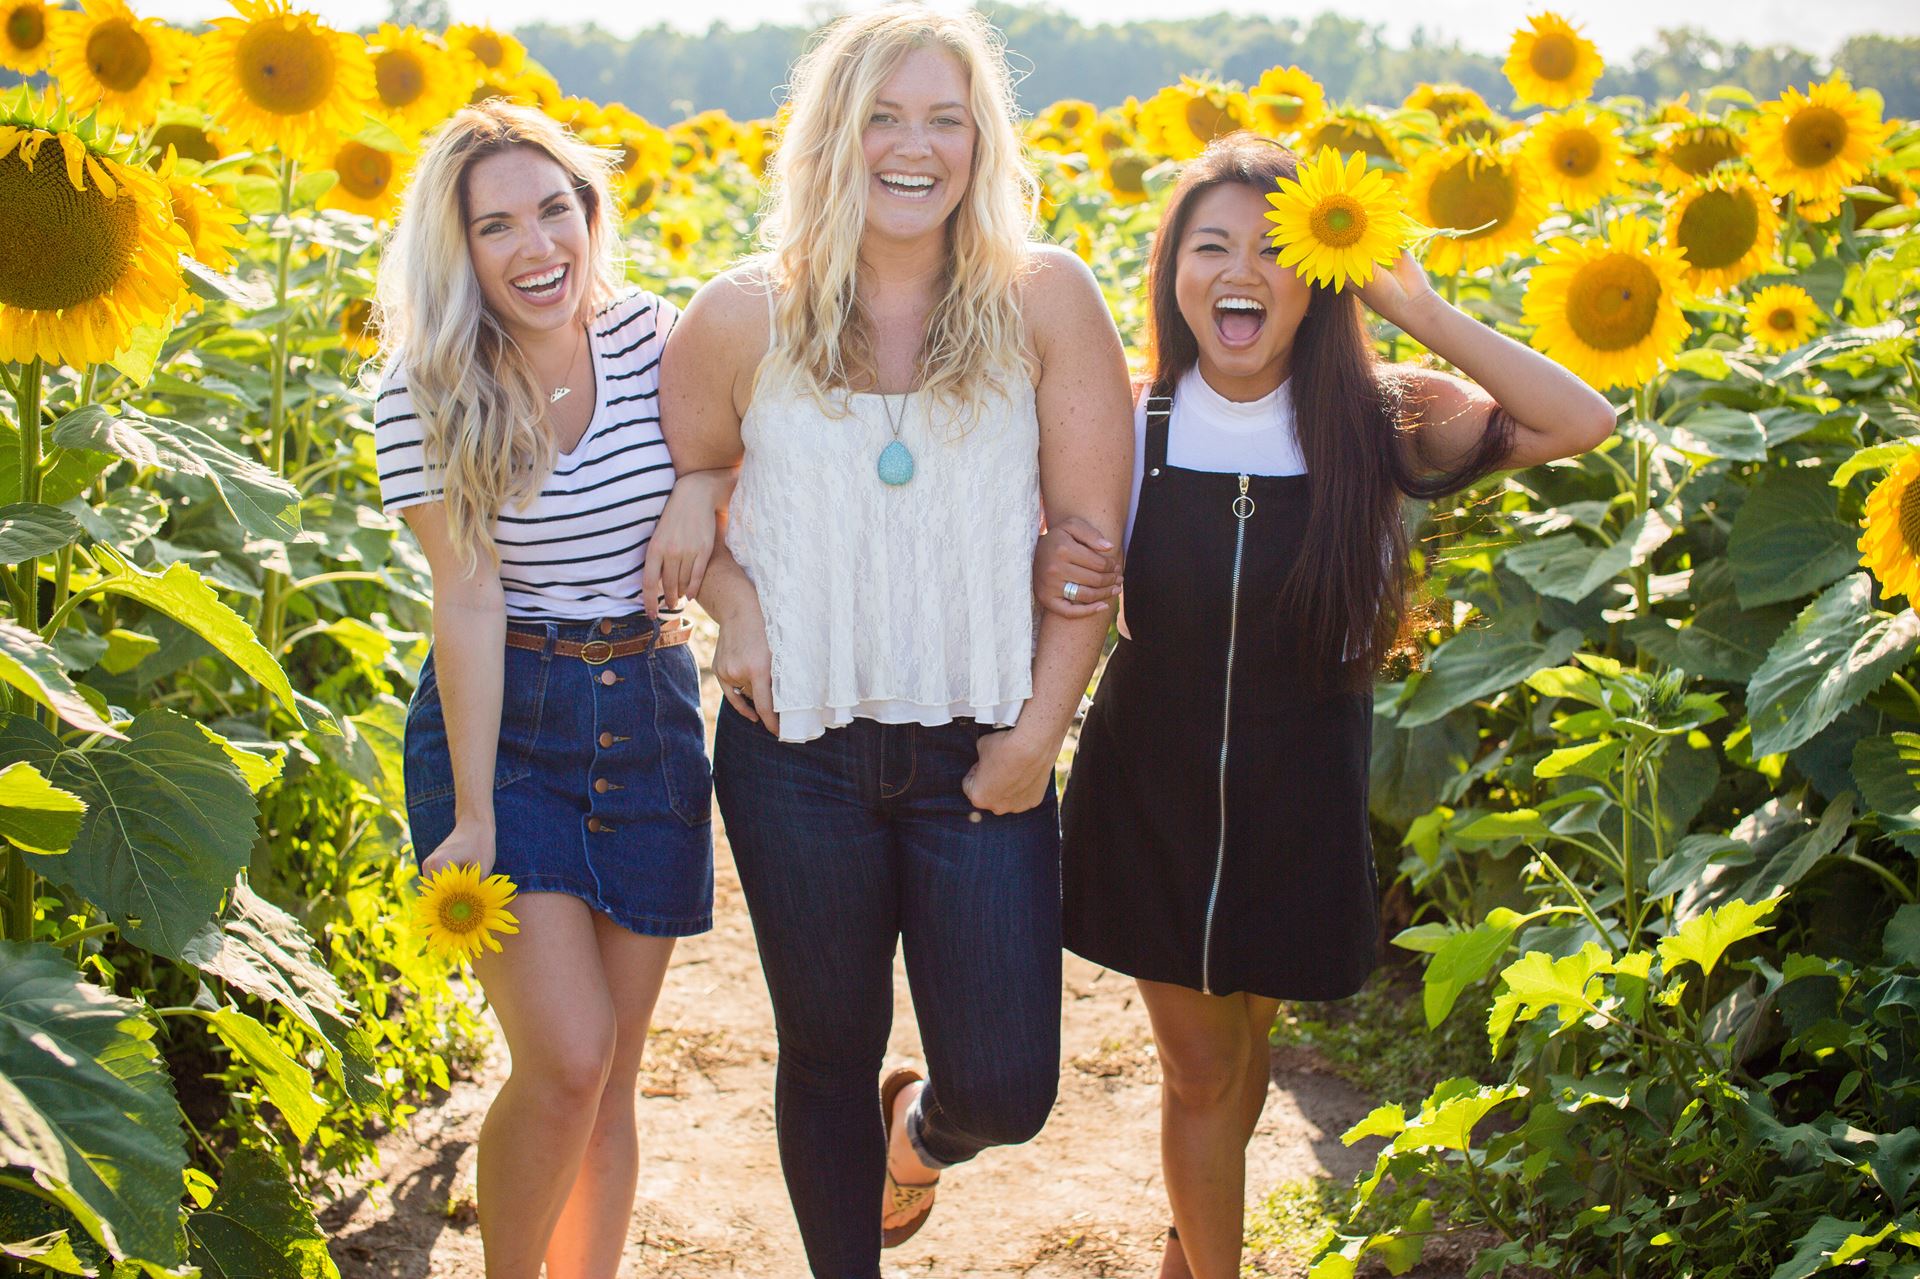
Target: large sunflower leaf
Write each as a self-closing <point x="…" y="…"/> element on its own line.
<point x="34" y="813"/>
<point x="1838" y="650"/>
<point x="28" y="529"/>
<point x="265" y="504"/>
<point x="86" y="1106"/>
<point x="29" y="664"/>
<point x="287" y="1083"/>
<point x="1788" y="539"/>
<point x="170" y="822"/>
<point x="68" y="475"/>
<point x="1477" y="662"/>
<point x="258" y="1226"/>
<point x="1887" y="771"/>
<point x="1565" y="567"/>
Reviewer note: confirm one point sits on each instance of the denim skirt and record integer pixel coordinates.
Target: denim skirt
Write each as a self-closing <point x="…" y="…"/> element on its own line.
<point x="601" y="786"/>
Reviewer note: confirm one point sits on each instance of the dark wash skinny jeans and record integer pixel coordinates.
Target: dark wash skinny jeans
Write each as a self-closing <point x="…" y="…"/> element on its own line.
<point x="845" y="844"/>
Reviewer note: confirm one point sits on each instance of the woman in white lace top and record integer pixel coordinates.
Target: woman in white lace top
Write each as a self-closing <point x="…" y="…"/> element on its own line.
<point x="903" y="379"/>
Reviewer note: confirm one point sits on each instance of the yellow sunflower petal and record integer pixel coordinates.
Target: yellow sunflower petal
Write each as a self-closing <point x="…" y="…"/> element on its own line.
<point x="1609" y="309"/>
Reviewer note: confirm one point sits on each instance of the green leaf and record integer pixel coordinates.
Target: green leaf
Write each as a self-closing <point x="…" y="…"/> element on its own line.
<point x="1388" y="1120"/>
<point x="169" y="824"/>
<point x="1901" y="940"/>
<point x="1521" y="823"/>
<point x="86" y="1106"/>
<point x="259" y="769"/>
<point x="1813" y="1248"/>
<point x="34" y="813"/>
<point x="1410" y="767"/>
<point x="1879" y="457"/>
<point x="1565" y="567"/>
<point x="1481" y="661"/>
<point x="258" y="1226"/>
<point x="1463" y="959"/>
<point x="126" y="649"/>
<point x="53" y="1252"/>
<point x="31" y="529"/>
<point x="1589" y="759"/>
<point x="1838" y="650"/>
<point x="1896" y="1164"/>
<point x="1450" y="1125"/>
<point x="1788" y="539"/>
<point x="1719" y="641"/>
<point x="186" y="597"/>
<point x="1718" y="432"/>
<point x="68" y="474"/>
<point x="259" y="949"/>
<point x="29" y="664"/>
<point x="1537" y="982"/>
<point x="1704" y="939"/>
<point x="265" y="504"/>
<point x="287" y="1083"/>
<point x="1887" y="771"/>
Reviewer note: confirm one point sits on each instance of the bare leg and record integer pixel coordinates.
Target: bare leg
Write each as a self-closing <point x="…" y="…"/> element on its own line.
<point x="1208" y="1108"/>
<point x="548" y="990"/>
<point x="592" y="1231"/>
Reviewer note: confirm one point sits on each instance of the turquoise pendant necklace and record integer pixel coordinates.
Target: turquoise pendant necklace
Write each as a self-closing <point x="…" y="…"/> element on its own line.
<point x="895" y="463"/>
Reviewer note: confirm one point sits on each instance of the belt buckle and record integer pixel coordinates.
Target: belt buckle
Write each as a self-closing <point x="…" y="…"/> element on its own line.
<point x="596" y="652"/>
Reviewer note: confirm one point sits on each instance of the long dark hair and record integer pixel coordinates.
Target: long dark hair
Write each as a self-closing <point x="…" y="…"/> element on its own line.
<point x="1343" y="597"/>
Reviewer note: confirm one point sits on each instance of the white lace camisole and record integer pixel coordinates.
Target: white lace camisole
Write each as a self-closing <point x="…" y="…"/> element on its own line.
<point x="908" y="604"/>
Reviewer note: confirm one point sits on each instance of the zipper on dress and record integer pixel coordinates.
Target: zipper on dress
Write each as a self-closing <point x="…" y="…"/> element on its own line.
<point x="1242" y="510"/>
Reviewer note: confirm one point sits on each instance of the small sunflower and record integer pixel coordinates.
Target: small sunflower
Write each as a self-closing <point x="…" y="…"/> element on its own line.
<point x="1782" y="316"/>
<point x="417" y="82"/>
<point x="1489" y="196"/>
<point x="1182" y="118"/>
<point x="1337" y="220"/>
<point x="458" y="912"/>
<point x="1445" y="101"/>
<point x="488" y="86"/>
<point x="1065" y="121"/>
<point x="277" y="76"/>
<point x="1693" y="151"/>
<point x="207" y="221"/>
<point x="104" y="57"/>
<point x="1579" y="156"/>
<point x="1551" y="63"/>
<point x="26" y="35"/>
<point x="1124" y="176"/>
<point x="1109" y="134"/>
<point x="1477" y="126"/>
<point x="358" y="333"/>
<point x="1352" y="129"/>
<point x="1609" y="309"/>
<point x="1813" y="145"/>
<point x="370" y="179"/>
<point x="191" y="137"/>
<point x="1726" y="229"/>
<point x="642" y="152"/>
<point x="755" y="142"/>
<point x="678" y="236"/>
<point x="89" y="250"/>
<point x="1890" y="544"/>
<point x="495" y="51"/>
<point x="1286" y="100"/>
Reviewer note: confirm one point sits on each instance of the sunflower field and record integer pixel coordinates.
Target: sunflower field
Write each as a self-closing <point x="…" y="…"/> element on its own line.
<point x="1648" y="773"/>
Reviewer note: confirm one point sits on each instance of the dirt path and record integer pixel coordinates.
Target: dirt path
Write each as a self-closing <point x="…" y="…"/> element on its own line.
<point x="1084" y="1199"/>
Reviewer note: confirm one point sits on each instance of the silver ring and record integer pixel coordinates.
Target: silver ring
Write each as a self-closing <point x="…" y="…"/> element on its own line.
<point x="739" y="690"/>
<point x="1071" y="590"/>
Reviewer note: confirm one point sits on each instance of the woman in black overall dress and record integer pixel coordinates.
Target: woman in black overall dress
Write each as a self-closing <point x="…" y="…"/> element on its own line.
<point x="1215" y="824"/>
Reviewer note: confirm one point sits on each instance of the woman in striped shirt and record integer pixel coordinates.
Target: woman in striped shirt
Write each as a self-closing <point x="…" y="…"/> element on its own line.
<point x="555" y="731"/>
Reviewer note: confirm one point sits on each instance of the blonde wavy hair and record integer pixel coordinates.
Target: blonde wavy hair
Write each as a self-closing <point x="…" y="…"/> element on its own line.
<point x="480" y="403"/>
<point x="817" y="212"/>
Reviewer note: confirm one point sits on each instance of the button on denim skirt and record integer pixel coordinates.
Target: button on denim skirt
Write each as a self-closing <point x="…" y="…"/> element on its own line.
<point x="601" y="786"/>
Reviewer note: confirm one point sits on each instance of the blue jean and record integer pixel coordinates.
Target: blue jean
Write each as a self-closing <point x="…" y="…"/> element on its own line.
<point x="845" y="844"/>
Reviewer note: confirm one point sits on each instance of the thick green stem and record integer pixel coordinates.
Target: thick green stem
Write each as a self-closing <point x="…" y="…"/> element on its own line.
<point x="272" y="601"/>
<point x="22" y="883"/>
<point x="1629" y="814"/>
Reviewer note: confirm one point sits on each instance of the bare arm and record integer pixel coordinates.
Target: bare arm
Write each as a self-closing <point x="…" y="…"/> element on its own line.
<point x="469" y="654"/>
<point x="1555" y="414"/>
<point x="1086" y="461"/>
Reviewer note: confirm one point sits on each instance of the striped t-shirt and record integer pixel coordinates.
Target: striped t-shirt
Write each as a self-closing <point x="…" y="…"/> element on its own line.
<point x="575" y="550"/>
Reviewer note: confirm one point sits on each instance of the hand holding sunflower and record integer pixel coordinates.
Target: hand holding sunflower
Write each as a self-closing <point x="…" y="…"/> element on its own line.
<point x="1337" y="220"/>
<point x="459" y="911"/>
<point x="1399" y="291"/>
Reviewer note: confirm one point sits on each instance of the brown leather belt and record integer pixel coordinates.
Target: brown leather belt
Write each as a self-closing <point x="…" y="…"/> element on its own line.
<point x="670" y="631"/>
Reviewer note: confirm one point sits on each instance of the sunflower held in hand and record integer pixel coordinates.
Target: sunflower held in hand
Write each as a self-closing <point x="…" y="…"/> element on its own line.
<point x="458" y="912"/>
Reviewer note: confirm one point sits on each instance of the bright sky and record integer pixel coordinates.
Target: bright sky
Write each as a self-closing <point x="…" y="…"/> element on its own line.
<point x="1617" y="26"/>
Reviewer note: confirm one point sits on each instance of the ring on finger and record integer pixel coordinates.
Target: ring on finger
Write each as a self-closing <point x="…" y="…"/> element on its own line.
<point x="1072" y="591"/>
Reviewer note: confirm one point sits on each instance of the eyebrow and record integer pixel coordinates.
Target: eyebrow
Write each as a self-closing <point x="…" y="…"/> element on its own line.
<point x="545" y="200"/>
<point x="938" y="106"/>
<point x="1210" y="230"/>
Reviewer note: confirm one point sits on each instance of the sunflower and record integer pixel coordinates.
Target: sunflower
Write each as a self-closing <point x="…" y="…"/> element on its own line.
<point x="370" y="179"/>
<point x="191" y="137"/>
<point x="89" y="250"/>
<point x="1579" y="157"/>
<point x="1059" y="126"/>
<point x="1285" y="100"/>
<point x="1726" y="229"/>
<point x="1551" y="63"/>
<point x="1890" y="545"/>
<point x="1693" y="151"/>
<point x="488" y="86"/>
<point x="1812" y="145"/>
<point x="642" y="151"/>
<point x="1109" y="134"/>
<point x="358" y="333"/>
<point x="1490" y="197"/>
<point x="495" y="51"/>
<point x="755" y="141"/>
<point x="105" y="57"/>
<point x="1337" y="219"/>
<point x="26" y="35"/>
<point x="678" y="236"/>
<point x="417" y="82"/>
<point x="207" y="221"/>
<point x="1893" y="193"/>
<point x="1352" y="129"/>
<point x="1124" y="176"/>
<point x="1477" y="126"/>
<point x="1445" y="101"/>
<point x="277" y="77"/>
<point x="458" y="912"/>
<point x="1182" y="118"/>
<point x="1608" y="309"/>
<point x="1782" y="316"/>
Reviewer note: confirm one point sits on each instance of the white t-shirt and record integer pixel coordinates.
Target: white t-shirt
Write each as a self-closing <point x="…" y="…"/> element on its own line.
<point x="1209" y="432"/>
<point x="576" y="549"/>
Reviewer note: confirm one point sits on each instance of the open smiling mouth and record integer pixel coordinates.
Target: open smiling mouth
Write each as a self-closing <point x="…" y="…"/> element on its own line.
<point x="907" y="186"/>
<point x="1238" y="321"/>
<point x="545" y="284"/>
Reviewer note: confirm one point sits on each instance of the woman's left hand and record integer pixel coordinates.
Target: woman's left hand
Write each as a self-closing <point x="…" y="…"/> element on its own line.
<point x="682" y="541"/>
<point x="1009" y="777"/>
<point x="1399" y="291"/>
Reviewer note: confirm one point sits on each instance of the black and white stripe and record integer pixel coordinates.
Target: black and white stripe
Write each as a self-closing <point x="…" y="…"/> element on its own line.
<point x="577" y="549"/>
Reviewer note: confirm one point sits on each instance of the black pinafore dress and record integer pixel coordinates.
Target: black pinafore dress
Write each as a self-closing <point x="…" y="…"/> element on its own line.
<point x="1215" y="822"/>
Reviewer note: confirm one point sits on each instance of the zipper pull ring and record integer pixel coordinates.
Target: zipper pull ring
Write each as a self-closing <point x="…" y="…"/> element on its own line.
<point x="1243" y="505"/>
